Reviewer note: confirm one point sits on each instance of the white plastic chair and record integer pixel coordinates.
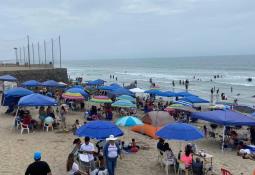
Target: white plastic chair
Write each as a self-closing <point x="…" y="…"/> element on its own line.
<point x="168" y="164"/>
<point x="16" y="122"/>
<point x="24" y="127"/>
<point x="182" y="168"/>
<point x="47" y="126"/>
<point x="160" y="157"/>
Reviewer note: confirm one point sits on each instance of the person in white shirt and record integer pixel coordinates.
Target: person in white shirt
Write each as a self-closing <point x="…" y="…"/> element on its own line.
<point x="71" y="167"/>
<point x="89" y="149"/>
<point x="111" y="153"/>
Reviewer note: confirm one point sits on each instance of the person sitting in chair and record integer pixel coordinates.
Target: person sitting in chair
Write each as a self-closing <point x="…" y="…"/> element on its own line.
<point x="197" y="167"/>
<point x="168" y="155"/>
<point x="186" y="158"/>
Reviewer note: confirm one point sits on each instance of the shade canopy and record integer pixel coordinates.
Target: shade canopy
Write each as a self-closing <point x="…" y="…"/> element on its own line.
<point x="78" y="90"/>
<point x="126" y="97"/>
<point x="194" y="99"/>
<point x="72" y="96"/>
<point x="184" y="103"/>
<point x="37" y="100"/>
<point x="52" y="83"/>
<point x="17" y="92"/>
<point x="31" y="83"/>
<point x="184" y="94"/>
<point x="77" y="86"/>
<point x="180" y="108"/>
<point x="157" y="118"/>
<point x="180" y="131"/>
<point x="100" y="99"/>
<point x="12" y="96"/>
<point x="128" y="121"/>
<point x="169" y="94"/>
<point x="7" y="78"/>
<point x="96" y="82"/>
<point x="225" y="117"/>
<point x="121" y="91"/>
<point x="137" y="90"/>
<point x="123" y="104"/>
<point x="153" y="92"/>
<point x="99" y="130"/>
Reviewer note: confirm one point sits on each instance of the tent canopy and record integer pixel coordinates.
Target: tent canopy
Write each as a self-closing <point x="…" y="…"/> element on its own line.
<point x="52" y="83"/>
<point x="184" y="94"/>
<point x="225" y="117"/>
<point x="96" y="82"/>
<point x="78" y="90"/>
<point x="31" y="83"/>
<point x="7" y="78"/>
<point x="121" y="91"/>
<point x="157" y="118"/>
<point x="194" y="99"/>
<point x="112" y="87"/>
<point x="153" y="92"/>
<point x="17" y="92"/>
<point x="13" y="95"/>
<point x="37" y="100"/>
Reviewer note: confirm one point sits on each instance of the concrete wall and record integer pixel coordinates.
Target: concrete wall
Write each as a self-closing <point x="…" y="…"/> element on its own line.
<point x="57" y="74"/>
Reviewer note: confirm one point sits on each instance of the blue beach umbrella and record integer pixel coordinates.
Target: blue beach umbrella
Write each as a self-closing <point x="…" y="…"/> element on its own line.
<point x="180" y="131"/>
<point x="7" y="78"/>
<point x="126" y="97"/>
<point x="31" y="83"/>
<point x="52" y="83"/>
<point x="124" y="104"/>
<point x="99" y="130"/>
<point x="37" y="100"/>
<point x="128" y="121"/>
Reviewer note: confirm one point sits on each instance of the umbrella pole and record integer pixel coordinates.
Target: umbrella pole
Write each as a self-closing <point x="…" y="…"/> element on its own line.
<point x="223" y="138"/>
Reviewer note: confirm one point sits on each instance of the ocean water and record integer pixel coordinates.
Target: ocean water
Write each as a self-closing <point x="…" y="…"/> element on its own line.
<point x="234" y="70"/>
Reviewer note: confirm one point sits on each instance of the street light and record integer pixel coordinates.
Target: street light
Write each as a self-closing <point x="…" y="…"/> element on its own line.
<point x="16" y="52"/>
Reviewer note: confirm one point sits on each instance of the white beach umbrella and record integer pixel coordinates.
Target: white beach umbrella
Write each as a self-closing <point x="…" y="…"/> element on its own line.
<point x="137" y="90"/>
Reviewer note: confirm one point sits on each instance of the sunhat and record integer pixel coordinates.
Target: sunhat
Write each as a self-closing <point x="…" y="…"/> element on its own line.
<point x="111" y="137"/>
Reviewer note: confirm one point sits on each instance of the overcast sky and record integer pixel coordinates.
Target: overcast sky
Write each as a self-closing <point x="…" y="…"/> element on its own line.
<point x="131" y="28"/>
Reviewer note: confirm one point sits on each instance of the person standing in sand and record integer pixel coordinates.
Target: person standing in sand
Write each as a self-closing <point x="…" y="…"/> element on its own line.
<point x="62" y="116"/>
<point x="111" y="153"/>
<point x="38" y="167"/>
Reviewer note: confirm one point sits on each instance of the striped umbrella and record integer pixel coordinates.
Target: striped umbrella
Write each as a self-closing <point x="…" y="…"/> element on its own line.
<point x="72" y="96"/>
<point x="124" y="104"/>
<point x="126" y="97"/>
<point x="128" y="121"/>
<point x="100" y="99"/>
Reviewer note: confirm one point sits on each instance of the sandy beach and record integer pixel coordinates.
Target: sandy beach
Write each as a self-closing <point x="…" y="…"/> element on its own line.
<point x="17" y="151"/>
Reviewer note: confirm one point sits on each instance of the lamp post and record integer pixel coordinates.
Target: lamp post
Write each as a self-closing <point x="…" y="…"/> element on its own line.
<point x="16" y="53"/>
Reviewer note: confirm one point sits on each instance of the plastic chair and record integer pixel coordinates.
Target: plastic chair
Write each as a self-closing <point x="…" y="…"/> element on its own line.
<point x="169" y="165"/>
<point x="47" y="126"/>
<point x="183" y="168"/>
<point x="225" y="172"/>
<point x="24" y="127"/>
<point x="16" y="123"/>
<point x="160" y="157"/>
